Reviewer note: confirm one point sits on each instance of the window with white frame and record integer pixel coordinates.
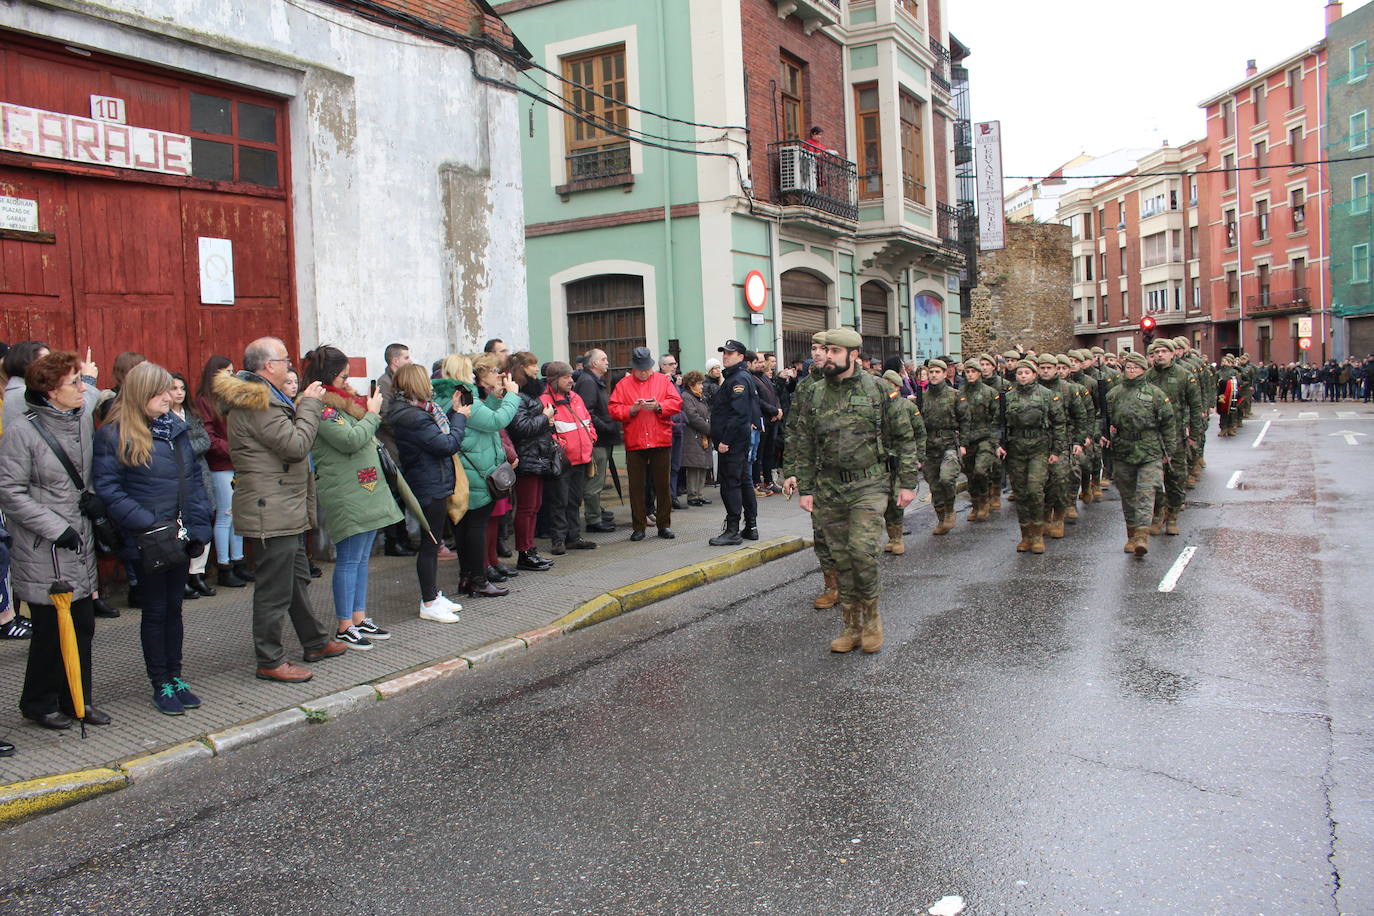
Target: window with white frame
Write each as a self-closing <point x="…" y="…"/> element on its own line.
<point x="1359" y="193"/>
<point x="1156" y="297"/>
<point x="1297" y="202"/>
<point x="1359" y="61"/>
<point x="1197" y="293"/>
<point x="1359" y="264"/>
<point x="1359" y="129"/>
<point x="1153" y="250"/>
<point x="1153" y="204"/>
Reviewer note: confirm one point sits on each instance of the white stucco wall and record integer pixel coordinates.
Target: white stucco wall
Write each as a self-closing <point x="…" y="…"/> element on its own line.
<point x="407" y="211"/>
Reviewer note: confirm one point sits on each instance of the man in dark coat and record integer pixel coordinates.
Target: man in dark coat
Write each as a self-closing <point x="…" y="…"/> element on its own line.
<point x="590" y="385"/>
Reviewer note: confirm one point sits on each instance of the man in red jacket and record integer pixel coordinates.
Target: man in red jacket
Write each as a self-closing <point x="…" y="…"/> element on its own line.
<point x="644" y="402"/>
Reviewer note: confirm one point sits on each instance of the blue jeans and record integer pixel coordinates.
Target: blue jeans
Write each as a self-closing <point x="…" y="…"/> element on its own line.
<point x="225" y="538"/>
<point x="350" y="573"/>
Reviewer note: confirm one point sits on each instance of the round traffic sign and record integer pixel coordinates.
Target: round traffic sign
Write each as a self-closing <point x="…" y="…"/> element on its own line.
<point x="755" y="290"/>
<point x="1304" y="343"/>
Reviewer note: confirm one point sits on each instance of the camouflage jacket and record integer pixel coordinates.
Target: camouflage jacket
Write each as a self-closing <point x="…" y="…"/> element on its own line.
<point x="940" y="405"/>
<point x="1074" y="412"/>
<point x="1093" y="398"/>
<point x="850" y="426"/>
<point x="980" y="412"/>
<point x="1181" y="387"/>
<point x="1033" y="418"/>
<point x="1140" y="422"/>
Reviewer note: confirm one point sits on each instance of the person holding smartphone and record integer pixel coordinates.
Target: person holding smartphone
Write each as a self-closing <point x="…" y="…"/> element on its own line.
<point x="644" y="402"/>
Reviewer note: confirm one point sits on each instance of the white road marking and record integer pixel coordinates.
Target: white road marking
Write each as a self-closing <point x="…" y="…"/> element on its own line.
<point x="1171" y="578"/>
<point x="1260" y="437"/>
<point x="1308" y="415"/>
<point x="1234" y="481"/>
<point x="1346" y="415"/>
<point x="1350" y="435"/>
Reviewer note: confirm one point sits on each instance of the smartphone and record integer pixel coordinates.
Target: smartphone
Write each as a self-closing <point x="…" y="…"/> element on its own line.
<point x="464" y="397"/>
<point x="372" y="389"/>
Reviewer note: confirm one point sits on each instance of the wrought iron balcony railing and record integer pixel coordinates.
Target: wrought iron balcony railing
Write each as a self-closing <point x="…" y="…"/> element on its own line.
<point x="807" y="177"/>
<point x="584" y="165"/>
<point x="1289" y="300"/>
<point x="947" y="220"/>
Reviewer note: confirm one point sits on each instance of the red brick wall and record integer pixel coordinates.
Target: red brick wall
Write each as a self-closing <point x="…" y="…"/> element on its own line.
<point x="765" y="37"/>
<point x="940" y="148"/>
<point x="463" y="16"/>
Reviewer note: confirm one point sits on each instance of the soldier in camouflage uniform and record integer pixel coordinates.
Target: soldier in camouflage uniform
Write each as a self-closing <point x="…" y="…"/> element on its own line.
<point x="940" y="408"/>
<point x="1034" y="435"/>
<point x="980" y="421"/>
<point x="838" y="459"/>
<point x="830" y="591"/>
<point x="1057" y="488"/>
<point x="1229" y="420"/>
<point x="1191" y="360"/>
<point x="1091" y="462"/>
<point x="1246" y="373"/>
<point x="1139" y="428"/>
<point x="1181" y="387"/>
<point x="895" y="511"/>
<point x="1080" y="463"/>
<point x="1001" y="384"/>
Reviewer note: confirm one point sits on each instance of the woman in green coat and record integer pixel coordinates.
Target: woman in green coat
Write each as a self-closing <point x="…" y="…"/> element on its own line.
<point x="351" y="490"/>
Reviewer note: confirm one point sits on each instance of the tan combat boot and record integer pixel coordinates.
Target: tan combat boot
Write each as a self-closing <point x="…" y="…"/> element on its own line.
<point x="946" y="515"/>
<point x="1071" y="512"/>
<point x="1025" y="543"/>
<point x="1055" y="526"/>
<point x="1142" y="541"/>
<point x="1085" y="491"/>
<point x="1097" y="491"/>
<point x="894" y="540"/>
<point x="1171" y="522"/>
<point x="1130" y="541"/>
<point x="980" y="510"/>
<point x="994" y="499"/>
<point x="1037" y="539"/>
<point x="830" y="595"/>
<point x="849" y="639"/>
<point x="1157" y="525"/>
<point x="872" y="633"/>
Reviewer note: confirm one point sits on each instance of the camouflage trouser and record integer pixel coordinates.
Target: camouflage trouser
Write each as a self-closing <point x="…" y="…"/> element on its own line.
<point x="941" y="468"/>
<point x="893" y="514"/>
<point x="1057" y="487"/>
<point x="981" y="467"/>
<point x="819" y="544"/>
<point x="852" y="516"/>
<point x="1137" y="484"/>
<point x="1175" y="478"/>
<point x="1082" y="470"/>
<point x="1230" y="419"/>
<point x="1095" y="464"/>
<point x="1028" y="470"/>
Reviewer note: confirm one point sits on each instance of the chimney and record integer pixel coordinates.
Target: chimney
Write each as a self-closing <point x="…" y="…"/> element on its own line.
<point x="1333" y="11"/>
<point x="1250" y="68"/>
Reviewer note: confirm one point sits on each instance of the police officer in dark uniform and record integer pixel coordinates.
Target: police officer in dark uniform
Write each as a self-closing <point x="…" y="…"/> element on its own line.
<point x="734" y="411"/>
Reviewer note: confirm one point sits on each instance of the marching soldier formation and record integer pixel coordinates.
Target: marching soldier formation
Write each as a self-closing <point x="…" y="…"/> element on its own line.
<point x="1056" y="428"/>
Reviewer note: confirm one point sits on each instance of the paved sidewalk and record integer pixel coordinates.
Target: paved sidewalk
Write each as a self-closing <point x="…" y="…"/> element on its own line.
<point x="219" y="659"/>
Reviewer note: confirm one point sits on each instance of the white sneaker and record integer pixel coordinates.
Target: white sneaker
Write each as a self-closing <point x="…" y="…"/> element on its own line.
<point x="438" y="612"/>
<point x="453" y="606"/>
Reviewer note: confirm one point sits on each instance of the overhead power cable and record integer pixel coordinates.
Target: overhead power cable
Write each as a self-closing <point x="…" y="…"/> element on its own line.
<point x="1178" y="172"/>
<point x="600" y="121"/>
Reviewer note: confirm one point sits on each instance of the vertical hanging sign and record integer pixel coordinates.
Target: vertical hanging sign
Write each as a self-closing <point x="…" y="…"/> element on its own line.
<point x="216" y="271"/>
<point x="992" y="227"/>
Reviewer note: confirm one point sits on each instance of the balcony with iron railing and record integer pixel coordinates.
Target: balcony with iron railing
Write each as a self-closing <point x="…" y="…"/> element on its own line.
<point x="1278" y="302"/>
<point x="602" y="167"/>
<point x="947" y="224"/>
<point x="817" y="180"/>
<point x="939" y="75"/>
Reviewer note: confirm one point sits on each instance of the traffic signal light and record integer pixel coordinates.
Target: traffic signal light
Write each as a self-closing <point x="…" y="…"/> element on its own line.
<point x="1147" y="330"/>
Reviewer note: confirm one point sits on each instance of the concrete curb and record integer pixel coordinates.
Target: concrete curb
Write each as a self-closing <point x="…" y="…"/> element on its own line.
<point x="22" y="801"/>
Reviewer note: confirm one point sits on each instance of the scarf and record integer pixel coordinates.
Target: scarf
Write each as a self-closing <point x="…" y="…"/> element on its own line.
<point x="348" y="395"/>
<point x="437" y="414"/>
<point x="163" y="426"/>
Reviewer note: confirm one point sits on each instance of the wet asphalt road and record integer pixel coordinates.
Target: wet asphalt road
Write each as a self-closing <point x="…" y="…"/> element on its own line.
<point x="1040" y="735"/>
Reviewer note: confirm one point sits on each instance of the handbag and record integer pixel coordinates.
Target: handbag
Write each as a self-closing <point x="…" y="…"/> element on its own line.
<point x="92" y="507"/>
<point x="501" y="480"/>
<point x="558" y="461"/>
<point x="163" y="546"/>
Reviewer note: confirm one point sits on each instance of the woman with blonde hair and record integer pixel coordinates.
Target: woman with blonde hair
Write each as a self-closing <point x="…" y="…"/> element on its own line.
<point x="146" y="473"/>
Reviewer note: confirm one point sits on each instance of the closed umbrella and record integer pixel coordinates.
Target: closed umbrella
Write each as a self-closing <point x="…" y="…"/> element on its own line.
<point x="61" y="595"/>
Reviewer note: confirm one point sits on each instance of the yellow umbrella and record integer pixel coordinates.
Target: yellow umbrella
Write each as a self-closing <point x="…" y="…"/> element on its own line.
<point x="61" y="595"/>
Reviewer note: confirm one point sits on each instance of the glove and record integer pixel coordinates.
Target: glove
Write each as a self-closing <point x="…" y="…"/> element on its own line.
<point x="69" y="539"/>
<point x="193" y="548"/>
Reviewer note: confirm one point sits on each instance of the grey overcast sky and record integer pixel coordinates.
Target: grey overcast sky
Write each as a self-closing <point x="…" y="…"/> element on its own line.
<point x="1071" y="76"/>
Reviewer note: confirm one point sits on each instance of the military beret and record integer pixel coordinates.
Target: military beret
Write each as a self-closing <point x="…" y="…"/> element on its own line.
<point x="892" y="377"/>
<point x="818" y="338"/>
<point x="1136" y="359"/>
<point x="848" y="338"/>
<point x="1024" y="364"/>
<point x="1011" y="354"/>
<point x="1047" y="359"/>
<point x="1161" y="345"/>
<point x="972" y="365"/>
<point x="1180" y="342"/>
<point x="1065" y="361"/>
<point x="988" y="357"/>
<point x="1098" y="351"/>
<point x="937" y="364"/>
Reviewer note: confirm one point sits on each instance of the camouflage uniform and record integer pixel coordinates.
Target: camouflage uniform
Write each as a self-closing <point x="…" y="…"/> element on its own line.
<point x="894" y="514"/>
<point x="801" y="402"/>
<point x="1142" y="430"/>
<point x="1246" y="373"/>
<point x="1034" y="427"/>
<point x="839" y="453"/>
<point x="1181" y="387"/>
<point x="940" y="407"/>
<point x="1090" y="462"/>
<point x="1060" y="484"/>
<point x="980" y="417"/>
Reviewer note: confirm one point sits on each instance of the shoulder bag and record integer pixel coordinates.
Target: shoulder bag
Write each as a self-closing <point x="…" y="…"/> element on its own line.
<point x="163" y="546"/>
<point x="501" y="480"/>
<point x="107" y="537"/>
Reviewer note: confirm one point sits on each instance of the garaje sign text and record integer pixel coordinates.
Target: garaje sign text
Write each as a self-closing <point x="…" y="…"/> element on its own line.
<point x="62" y="136"/>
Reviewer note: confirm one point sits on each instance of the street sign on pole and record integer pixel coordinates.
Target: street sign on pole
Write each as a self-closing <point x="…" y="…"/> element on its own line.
<point x="1305" y="326"/>
<point x="1304" y="343"/>
<point x="755" y="291"/>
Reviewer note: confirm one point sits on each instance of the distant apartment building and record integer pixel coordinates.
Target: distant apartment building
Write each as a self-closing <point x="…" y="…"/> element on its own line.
<point x="1349" y="105"/>
<point x="633" y="240"/>
<point x="1038" y="200"/>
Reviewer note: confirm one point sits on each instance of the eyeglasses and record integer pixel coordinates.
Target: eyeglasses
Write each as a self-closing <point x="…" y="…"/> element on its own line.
<point x="74" y="383"/>
<point x="279" y="359"/>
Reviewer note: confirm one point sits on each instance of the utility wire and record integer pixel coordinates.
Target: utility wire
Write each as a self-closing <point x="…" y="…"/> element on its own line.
<point x="610" y="124"/>
<point x="1234" y="168"/>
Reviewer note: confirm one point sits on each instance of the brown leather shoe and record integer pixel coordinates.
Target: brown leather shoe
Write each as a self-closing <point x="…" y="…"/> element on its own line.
<point x="286" y="672"/>
<point x="331" y="649"/>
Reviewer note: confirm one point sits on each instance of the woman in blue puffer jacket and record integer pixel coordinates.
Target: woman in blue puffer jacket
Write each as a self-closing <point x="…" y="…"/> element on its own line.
<point x="146" y="473"/>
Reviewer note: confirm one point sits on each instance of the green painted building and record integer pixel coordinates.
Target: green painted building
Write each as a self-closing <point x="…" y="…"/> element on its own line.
<point x="630" y="243"/>
<point x="1349" y="106"/>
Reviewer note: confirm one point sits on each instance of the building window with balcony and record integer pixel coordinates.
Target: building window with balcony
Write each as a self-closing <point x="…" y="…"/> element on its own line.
<point x="1359" y="61"/>
<point x="913" y="149"/>
<point x="1359" y="264"/>
<point x="1152" y="205"/>
<point x="1228" y="118"/>
<point x="1262" y="219"/>
<point x="1232" y="291"/>
<point x="596" y="147"/>
<point x="1156" y="297"/>
<point x="1295" y="145"/>
<point x="869" y="135"/>
<point x="1297" y="202"/>
<point x="1359" y="193"/>
<point x="1359" y="129"/>
<point x="792" y="88"/>
<point x="1152" y="250"/>
<point x="1228" y="167"/>
<point x="1262" y="278"/>
<point x="1229" y="221"/>
<point x="1295" y="87"/>
<point x="1257" y="99"/>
